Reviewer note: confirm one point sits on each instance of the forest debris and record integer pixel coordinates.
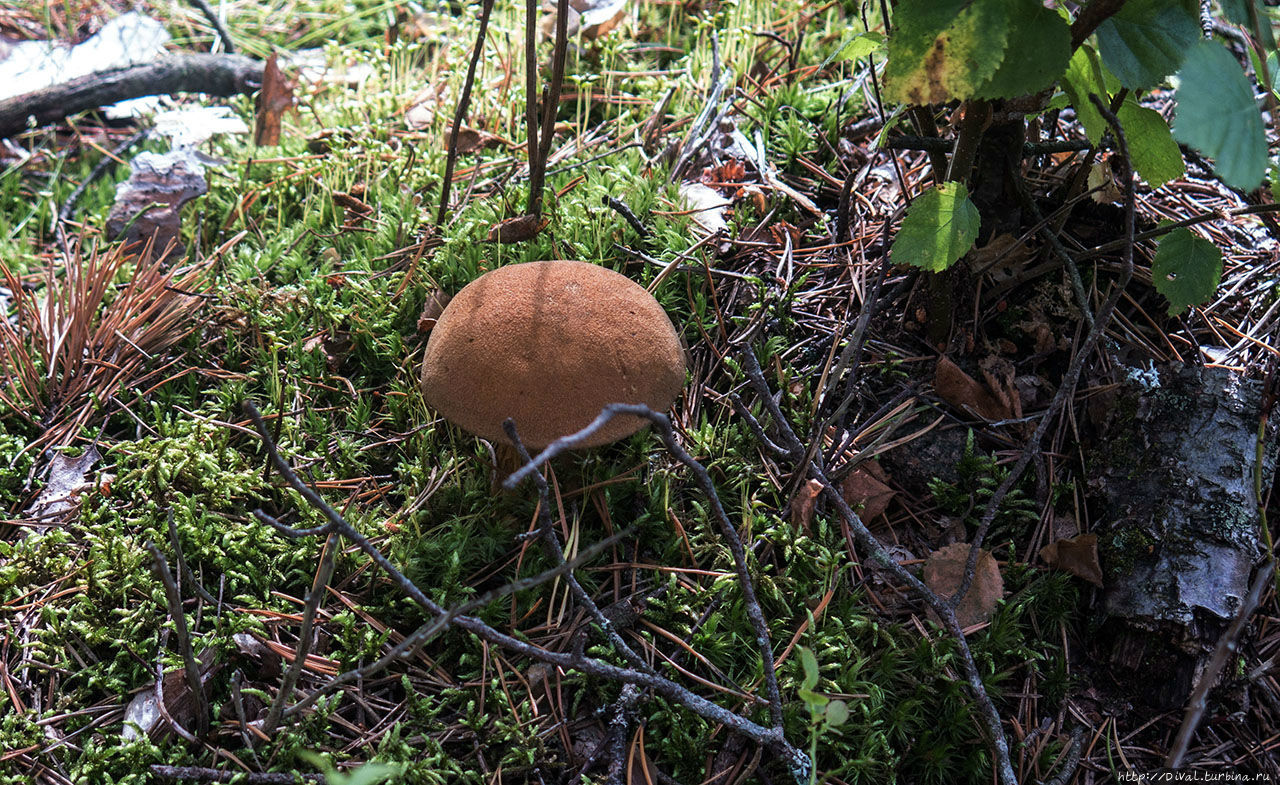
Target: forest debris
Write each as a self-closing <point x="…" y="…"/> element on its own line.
<point x="431" y="310"/>
<point x="518" y="229"/>
<point x="803" y="503"/>
<point x="866" y="492"/>
<point x="591" y="18"/>
<point x="275" y="97"/>
<point x="471" y="140"/>
<point x="219" y="74"/>
<point x="944" y="570"/>
<point x="1172" y="470"/>
<point x="707" y="207"/>
<point x="966" y="394"/>
<point x="65" y="481"/>
<point x="192" y="126"/>
<point x="128" y="39"/>
<point x="147" y="204"/>
<point x="1077" y="555"/>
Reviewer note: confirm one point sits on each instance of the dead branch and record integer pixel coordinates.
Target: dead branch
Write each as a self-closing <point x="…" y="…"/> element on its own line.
<point x="1227" y="644"/>
<point x="771" y="738"/>
<point x="215" y="74"/>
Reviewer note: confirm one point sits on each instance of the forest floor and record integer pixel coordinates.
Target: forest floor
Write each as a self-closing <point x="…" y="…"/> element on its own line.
<point x="308" y="282"/>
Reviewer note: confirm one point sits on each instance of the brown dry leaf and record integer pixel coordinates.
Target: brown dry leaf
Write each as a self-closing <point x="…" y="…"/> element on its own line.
<point x="999" y="374"/>
<point x="802" y="504"/>
<point x="1077" y="555"/>
<point x="275" y="97"/>
<point x="518" y="229"/>
<point x="431" y="310"/>
<point x="1001" y="257"/>
<point x="945" y="568"/>
<point x="963" y="392"/>
<point x="866" y="488"/>
<point x="472" y="139"/>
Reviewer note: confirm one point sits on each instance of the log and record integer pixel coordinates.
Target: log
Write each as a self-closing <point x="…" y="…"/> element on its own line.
<point x="215" y="74"/>
<point x="1171" y="480"/>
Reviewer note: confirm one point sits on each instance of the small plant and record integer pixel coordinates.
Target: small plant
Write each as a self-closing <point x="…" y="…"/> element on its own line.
<point x="1007" y="62"/>
<point x="825" y="713"/>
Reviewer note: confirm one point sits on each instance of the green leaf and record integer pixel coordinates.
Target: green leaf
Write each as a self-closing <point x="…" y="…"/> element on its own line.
<point x="1237" y="13"/>
<point x="837" y="713"/>
<point x="1146" y="40"/>
<point x="814" y="700"/>
<point x="1216" y="114"/>
<point x="861" y="45"/>
<point x="1083" y="76"/>
<point x="944" y="49"/>
<point x="1037" y="53"/>
<point x="1186" y="270"/>
<point x="1155" y="154"/>
<point x="810" y="664"/>
<point x="939" y="228"/>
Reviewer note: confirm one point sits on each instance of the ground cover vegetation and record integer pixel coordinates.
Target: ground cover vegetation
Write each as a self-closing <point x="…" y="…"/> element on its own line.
<point x="915" y="254"/>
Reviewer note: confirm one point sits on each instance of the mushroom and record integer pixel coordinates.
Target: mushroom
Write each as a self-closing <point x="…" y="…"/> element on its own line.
<point x="549" y="344"/>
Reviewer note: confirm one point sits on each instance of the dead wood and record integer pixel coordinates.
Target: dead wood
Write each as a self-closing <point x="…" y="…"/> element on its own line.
<point x="215" y="74"/>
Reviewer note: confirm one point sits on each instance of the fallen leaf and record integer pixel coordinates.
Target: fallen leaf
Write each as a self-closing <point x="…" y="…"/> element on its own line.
<point x="1002" y="257"/>
<point x="943" y="572"/>
<point x="147" y="204"/>
<point x="999" y="373"/>
<point x="518" y="229"/>
<point x="963" y="392"/>
<point x="471" y="139"/>
<point x="866" y="489"/>
<point x="802" y="505"/>
<point x="1077" y="555"/>
<point x="431" y="310"/>
<point x="275" y="97"/>
<point x="63" y="485"/>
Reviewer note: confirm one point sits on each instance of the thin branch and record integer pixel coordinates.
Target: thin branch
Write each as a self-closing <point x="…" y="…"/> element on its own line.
<point x="220" y="74"/>
<point x="227" y="44"/>
<point x="174" y="600"/>
<point x="201" y="774"/>
<point x="1227" y="645"/>
<point x="551" y="543"/>
<point x="663" y="426"/>
<point x="319" y="587"/>
<point x="460" y="112"/>
<point x="771" y="738"/>
<point x="868" y="542"/>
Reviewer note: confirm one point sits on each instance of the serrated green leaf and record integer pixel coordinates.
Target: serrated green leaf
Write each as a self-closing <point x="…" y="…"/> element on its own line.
<point x="837" y="713"/>
<point x="810" y="665"/>
<point x="1146" y="40"/>
<point x="1154" y="153"/>
<point x="1083" y="77"/>
<point x="861" y="45"/>
<point x="1217" y="115"/>
<point x="939" y="227"/>
<point x="1186" y="270"/>
<point x="1036" y="55"/>
<point x="944" y="49"/>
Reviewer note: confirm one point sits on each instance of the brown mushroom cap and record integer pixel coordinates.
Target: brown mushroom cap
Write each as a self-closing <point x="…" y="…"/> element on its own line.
<point x="549" y="344"/>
